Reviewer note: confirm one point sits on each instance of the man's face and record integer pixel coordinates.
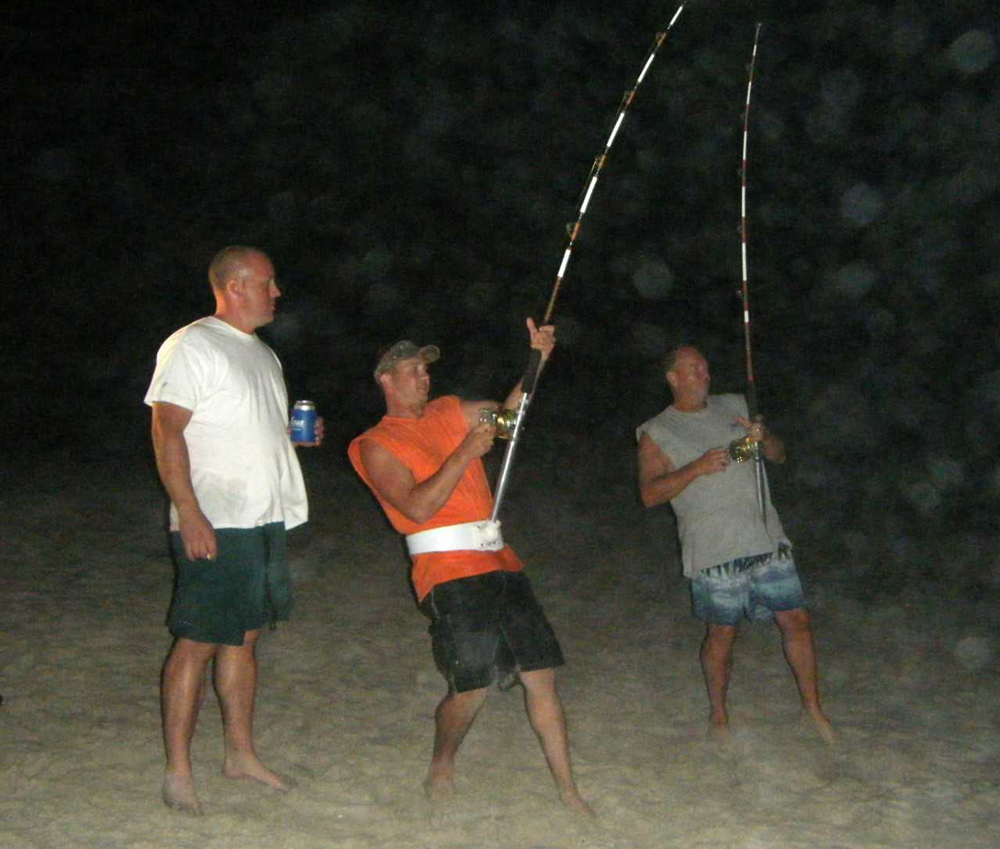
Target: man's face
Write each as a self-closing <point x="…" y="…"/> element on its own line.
<point x="258" y="291"/>
<point x="689" y="378"/>
<point x="410" y="381"/>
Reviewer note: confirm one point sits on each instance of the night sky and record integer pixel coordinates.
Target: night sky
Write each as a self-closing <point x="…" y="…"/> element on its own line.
<point x="412" y="175"/>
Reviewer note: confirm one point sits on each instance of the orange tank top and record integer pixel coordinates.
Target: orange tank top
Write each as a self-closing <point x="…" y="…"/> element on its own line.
<point x="422" y="445"/>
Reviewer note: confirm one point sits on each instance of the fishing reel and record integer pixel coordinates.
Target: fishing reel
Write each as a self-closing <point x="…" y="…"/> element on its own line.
<point x="742" y="449"/>
<point x="502" y="421"/>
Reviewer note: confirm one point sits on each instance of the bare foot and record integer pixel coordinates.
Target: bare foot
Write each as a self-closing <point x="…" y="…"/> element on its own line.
<point x="179" y="795"/>
<point x="439" y="786"/>
<point x="718" y="728"/>
<point x="572" y="799"/>
<point x="822" y="725"/>
<point x="248" y="766"/>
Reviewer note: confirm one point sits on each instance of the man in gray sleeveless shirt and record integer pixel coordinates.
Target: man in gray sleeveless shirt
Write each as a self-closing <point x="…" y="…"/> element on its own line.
<point x="738" y="563"/>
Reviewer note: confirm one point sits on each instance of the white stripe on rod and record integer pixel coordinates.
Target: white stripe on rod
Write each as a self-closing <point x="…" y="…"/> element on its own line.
<point x="564" y="263"/>
<point x="590" y="191"/>
<point x="614" y="132"/>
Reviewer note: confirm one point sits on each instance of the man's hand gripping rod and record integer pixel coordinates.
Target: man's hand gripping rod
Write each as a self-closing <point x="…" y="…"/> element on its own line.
<point x="534" y="361"/>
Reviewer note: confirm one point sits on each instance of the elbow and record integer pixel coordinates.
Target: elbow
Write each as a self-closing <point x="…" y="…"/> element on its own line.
<point x="652" y="496"/>
<point x="418" y="514"/>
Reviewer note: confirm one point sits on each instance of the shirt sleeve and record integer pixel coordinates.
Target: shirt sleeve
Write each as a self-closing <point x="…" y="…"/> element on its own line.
<point x="177" y="376"/>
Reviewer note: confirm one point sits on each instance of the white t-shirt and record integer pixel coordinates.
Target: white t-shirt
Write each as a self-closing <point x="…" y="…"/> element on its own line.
<point x="243" y="465"/>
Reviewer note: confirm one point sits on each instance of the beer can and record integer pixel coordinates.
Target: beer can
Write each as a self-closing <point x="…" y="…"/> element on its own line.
<point x="303" y="423"/>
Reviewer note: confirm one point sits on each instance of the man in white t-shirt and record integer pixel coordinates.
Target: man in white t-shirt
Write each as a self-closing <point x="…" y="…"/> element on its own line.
<point x="220" y="434"/>
<point x="739" y="562"/>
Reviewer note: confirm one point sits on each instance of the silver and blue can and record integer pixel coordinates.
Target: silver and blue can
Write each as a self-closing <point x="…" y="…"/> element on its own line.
<point x="303" y="423"/>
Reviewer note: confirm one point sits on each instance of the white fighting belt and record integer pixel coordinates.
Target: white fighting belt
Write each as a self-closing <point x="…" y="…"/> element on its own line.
<point x="469" y="536"/>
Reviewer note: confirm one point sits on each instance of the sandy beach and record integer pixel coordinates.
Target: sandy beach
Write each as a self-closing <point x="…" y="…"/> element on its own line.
<point x="347" y="692"/>
<point x="421" y="171"/>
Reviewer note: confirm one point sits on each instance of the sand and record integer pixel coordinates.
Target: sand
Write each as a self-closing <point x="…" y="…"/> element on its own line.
<point x="347" y="692"/>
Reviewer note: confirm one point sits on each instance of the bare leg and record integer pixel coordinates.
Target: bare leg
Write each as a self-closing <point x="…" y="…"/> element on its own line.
<point x="800" y="652"/>
<point x="717" y="667"/>
<point x="181" y="690"/>
<point x="236" y="686"/>
<point x="545" y="713"/>
<point x="453" y="718"/>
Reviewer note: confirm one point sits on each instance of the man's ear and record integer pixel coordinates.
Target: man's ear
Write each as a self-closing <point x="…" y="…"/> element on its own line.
<point x="671" y="379"/>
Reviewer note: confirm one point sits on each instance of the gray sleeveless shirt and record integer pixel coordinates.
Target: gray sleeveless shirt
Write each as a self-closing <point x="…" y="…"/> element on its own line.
<point x="717" y="515"/>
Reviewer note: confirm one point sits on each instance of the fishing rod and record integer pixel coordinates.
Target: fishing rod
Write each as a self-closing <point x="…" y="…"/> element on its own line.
<point x="751" y="393"/>
<point x="513" y="429"/>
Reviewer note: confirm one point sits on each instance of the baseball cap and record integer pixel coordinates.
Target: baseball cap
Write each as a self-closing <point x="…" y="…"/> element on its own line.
<point x="404" y="350"/>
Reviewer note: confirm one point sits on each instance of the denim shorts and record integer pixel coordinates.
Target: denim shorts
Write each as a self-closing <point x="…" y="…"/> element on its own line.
<point x="488" y="628"/>
<point x="245" y="587"/>
<point x="755" y="587"/>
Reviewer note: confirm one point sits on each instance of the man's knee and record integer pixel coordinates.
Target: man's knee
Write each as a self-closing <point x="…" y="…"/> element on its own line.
<point x="539" y="681"/>
<point x="187" y="649"/>
<point x="793" y="622"/>
<point x="720" y="635"/>
<point x="238" y="656"/>
<point x="469" y="698"/>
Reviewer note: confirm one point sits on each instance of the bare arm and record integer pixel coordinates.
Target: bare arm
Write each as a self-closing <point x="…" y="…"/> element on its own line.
<point x="470" y="409"/>
<point x="174" y="466"/>
<point x="419" y="501"/>
<point x="660" y="481"/>
<point x="543" y="340"/>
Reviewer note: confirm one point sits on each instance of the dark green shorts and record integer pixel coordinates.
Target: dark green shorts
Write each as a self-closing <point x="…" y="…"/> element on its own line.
<point x="247" y="586"/>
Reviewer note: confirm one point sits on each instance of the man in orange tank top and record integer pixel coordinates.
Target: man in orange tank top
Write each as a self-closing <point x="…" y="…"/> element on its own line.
<point x="423" y="463"/>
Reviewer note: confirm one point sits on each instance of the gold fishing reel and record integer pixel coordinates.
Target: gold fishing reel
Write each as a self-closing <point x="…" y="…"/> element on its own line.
<point x="742" y="449"/>
<point x="501" y="420"/>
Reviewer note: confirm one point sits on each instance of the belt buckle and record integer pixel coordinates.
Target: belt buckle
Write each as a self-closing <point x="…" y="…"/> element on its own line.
<point x="489" y="533"/>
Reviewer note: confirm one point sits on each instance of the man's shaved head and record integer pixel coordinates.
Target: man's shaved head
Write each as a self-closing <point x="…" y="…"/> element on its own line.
<point x="228" y="263"/>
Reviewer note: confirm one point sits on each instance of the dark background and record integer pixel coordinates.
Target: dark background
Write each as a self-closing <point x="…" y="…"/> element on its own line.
<point x="412" y="174"/>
